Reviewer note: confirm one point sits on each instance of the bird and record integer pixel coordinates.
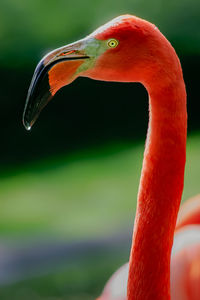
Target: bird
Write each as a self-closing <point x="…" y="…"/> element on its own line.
<point x="131" y="49"/>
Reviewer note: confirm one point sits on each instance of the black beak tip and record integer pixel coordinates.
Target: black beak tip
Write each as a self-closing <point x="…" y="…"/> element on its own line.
<point x="26" y="125"/>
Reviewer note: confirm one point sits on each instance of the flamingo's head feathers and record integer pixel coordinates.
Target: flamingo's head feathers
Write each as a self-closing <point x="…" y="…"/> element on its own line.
<point x="114" y="52"/>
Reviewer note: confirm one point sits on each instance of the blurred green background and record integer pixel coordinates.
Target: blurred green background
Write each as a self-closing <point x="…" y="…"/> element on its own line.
<point x="68" y="188"/>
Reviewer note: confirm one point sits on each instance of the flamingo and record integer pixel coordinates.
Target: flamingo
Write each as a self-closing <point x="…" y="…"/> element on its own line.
<point x="130" y="49"/>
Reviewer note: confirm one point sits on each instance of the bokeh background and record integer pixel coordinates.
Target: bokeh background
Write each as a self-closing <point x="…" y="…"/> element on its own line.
<point x="68" y="188"/>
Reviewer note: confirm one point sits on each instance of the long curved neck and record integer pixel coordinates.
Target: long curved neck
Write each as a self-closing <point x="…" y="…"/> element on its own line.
<point x="161" y="184"/>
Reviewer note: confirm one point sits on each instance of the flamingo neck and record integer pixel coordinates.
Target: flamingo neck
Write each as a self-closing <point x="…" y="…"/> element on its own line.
<point x="161" y="185"/>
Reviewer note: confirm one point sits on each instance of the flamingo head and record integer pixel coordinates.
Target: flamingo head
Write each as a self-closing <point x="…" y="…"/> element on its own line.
<point x="116" y="51"/>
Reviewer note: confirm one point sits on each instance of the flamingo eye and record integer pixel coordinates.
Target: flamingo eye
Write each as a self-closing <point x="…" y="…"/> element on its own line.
<point x="112" y="43"/>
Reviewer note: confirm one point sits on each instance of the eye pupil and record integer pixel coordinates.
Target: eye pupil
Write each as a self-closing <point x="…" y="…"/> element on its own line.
<point x="112" y="43"/>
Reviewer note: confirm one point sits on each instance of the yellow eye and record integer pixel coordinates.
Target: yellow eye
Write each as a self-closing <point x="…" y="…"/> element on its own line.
<point x="112" y="43"/>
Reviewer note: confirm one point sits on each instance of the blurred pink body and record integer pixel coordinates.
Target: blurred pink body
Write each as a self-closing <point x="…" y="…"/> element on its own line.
<point x="189" y="212"/>
<point x="185" y="261"/>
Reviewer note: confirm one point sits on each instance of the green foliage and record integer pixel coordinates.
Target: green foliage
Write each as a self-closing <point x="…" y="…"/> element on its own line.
<point x="81" y="195"/>
<point x="29" y="28"/>
<point x="70" y="195"/>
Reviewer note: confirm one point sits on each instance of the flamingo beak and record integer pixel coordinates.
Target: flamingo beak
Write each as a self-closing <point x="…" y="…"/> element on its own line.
<point x="56" y="69"/>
